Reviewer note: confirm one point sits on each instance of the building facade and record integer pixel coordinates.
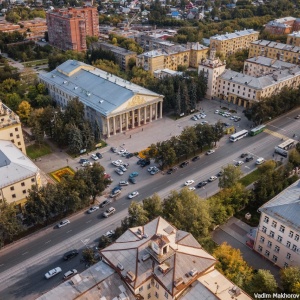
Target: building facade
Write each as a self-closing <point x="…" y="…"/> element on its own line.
<point x="278" y="232"/>
<point x="112" y="103"/>
<point x="122" y="55"/>
<point x="17" y="174"/>
<point x="294" y="39"/>
<point x="153" y="41"/>
<point x="283" y="26"/>
<point x="68" y="28"/>
<point x="230" y="43"/>
<point x="10" y="127"/>
<point x="274" y="50"/>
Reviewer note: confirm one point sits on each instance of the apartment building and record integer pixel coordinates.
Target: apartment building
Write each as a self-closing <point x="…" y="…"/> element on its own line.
<point x="122" y="55"/>
<point x="115" y="104"/>
<point x="294" y="38"/>
<point x="189" y="55"/>
<point x="275" y="50"/>
<point x="68" y="28"/>
<point x="17" y="174"/>
<point x="278" y="232"/>
<point x="154" y="41"/>
<point x="10" y="127"/>
<point x="260" y="65"/>
<point x="230" y="43"/>
<point x="284" y="25"/>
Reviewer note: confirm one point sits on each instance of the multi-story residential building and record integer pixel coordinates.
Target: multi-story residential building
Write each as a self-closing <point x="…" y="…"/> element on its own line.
<point x="275" y="50"/>
<point x="294" y="39"/>
<point x="284" y="25"/>
<point x="113" y="103"/>
<point x="230" y="43"/>
<point x="10" y="127"/>
<point x="260" y="65"/>
<point x="68" y="28"/>
<point x="278" y="232"/>
<point x="17" y="174"/>
<point x="8" y="27"/>
<point x="35" y="29"/>
<point x="178" y="55"/>
<point x="151" y="42"/>
<point x="154" y="261"/>
<point x="122" y="55"/>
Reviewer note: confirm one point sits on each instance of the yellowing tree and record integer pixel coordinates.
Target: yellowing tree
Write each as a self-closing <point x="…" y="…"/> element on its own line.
<point x="231" y="264"/>
<point x="23" y="111"/>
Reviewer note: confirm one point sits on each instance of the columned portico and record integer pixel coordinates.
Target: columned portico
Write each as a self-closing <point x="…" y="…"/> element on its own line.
<point x="151" y="114"/>
<point x="145" y="114"/>
<point x="121" y="122"/>
<point x="114" y="125"/>
<point x="132" y="119"/>
<point x="161" y="107"/>
<point x="127" y="121"/>
<point x="156" y="111"/>
<point x="139" y="117"/>
<point x="108" y="127"/>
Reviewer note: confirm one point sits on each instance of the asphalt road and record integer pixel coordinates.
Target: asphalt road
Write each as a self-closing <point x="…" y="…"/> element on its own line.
<point x="23" y="265"/>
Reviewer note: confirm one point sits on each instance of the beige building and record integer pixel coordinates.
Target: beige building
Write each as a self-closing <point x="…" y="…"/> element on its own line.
<point x="113" y="103"/>
<point x="122" y="55"/>
<point x="190" y="55"/>
<point x="278" y="233"/>
<point x="17" y="174"/>
<point x="10" y="127"/>
<point x="294" y="39"/>
<point x="288" y="53"/>
<point x="154" y="41"/>
<point x="230" y="43"/>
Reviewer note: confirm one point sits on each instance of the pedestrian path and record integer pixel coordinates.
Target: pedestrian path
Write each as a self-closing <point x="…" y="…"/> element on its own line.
<point x="276" y="134"/>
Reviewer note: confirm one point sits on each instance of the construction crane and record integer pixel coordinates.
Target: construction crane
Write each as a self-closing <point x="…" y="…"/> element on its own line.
<point x="129" y="22"/>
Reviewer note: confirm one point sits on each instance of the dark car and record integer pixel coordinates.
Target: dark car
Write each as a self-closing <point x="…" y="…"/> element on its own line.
<point x="71" y="254"/>
<point x="132" y="180"/>
<point x="104" y="203"/>
<point x="220" y="173"/>
<point x="145" y="163"/>
<point x="244" y="155"/>
<point x="171" y="170"/>
<point x="184" y="164"/>
<point x="201" y="184"/>
<point x="99" y="155"/>
<point x="249" y="158"/>
<point x="196" y="158"/>
<point x="129" y="155"/>
<point x="83" y="160"/>
<point x="113" y="149"/>
<point x="115" y="189"/>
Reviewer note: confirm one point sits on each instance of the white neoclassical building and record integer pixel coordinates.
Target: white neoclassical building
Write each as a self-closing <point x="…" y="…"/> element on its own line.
<point x="115" y="104"/>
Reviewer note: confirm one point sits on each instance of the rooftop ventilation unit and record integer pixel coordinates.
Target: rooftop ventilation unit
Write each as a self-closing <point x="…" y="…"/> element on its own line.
<point x="145" y="257"/>
<point x="65" y="82"/>
<point x="119" y="266"/>
<point x="193" y="272"/>
<point x="76" y="87"/>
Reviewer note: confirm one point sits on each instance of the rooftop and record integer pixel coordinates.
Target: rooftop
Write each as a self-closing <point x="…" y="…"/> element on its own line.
<point x="114" y="48"/>
<point x="14" y="165"/>
<point x="295" y="34"/>
<point x="270" y="62"/>
<point x="285" y="207"/>
<point x="10" y="116"/>
<point x="275" y="45"/>
<point x="283" y="20"/>
<point x="233" y="35"/>
<point x="96" y="88"/>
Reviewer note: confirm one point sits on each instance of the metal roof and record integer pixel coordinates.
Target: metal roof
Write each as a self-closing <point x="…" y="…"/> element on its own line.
<point x="233" y="35"/>
<point x="270" y="62"/>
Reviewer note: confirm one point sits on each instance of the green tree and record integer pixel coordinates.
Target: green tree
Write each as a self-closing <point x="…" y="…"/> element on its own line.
<point x="294" y="157"/>
<point x="262" y="282"/>
<point x="74" y="138"/>
<point x="153" y="206"/>
<point x="38" y="133"/>
<point x="89" y="256"/>
<point x="290" y="278"/>
<point x="137" y="215"/>
<point x="230" y="176"/>
<point x="24" y="111"/>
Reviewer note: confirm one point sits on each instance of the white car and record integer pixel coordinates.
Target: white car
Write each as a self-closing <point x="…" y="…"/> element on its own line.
<point x="53" y="272"/>
<point x="150" y="169"/>
<point x="239" y="163"/>
<point x="119" y="171"/>
<point x="133" y="194"/>
<point x="204" y="122"/>
<point x="109" y="233"/>
<point x="123" y="168"/>
<point x="94" y="157"/>
<point x="217" y="111"/>
<point x="192" y="188"/>
<point x="63" y="223"/>
<point x="123" y="182"/>
<point x="260" y="161"/>
<point x="122" y="151"/>
<point x="86" y="164"/>
<point x="209" y="152"/>
<point x="203" y="116"/>
<point x="70" y="273"/>
<point x="92" y="209"/>
<point x="110" y="211"/>
<point x="212" y="178"/>
<point x="117" y="163"/>
<point x="189" y="182"/>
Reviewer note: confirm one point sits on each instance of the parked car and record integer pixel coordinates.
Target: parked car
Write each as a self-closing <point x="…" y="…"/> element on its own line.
<point x="221" y="173"/>
<point x="184" y="164"/>
<point x="126" y="165"/>
<point x="192" y="188"/>
<point x="117" y="163"/>
<point x="145" y="163"/>
<point x="63" y="223"/>
<point x="123" y="182"/>
<point x="53" y="272"/>
<point x="94" y="157"/>
<point x="196" y="158"/>
<point x="133" y="174"/>
<point x="129" y="155"/>
<point x="133" y="194"/>
<point x="204" y="122"/>
<point x="212" y="178"/>
<point x="122" y="168"/>
<point x="132" y="180"/>
<point x="71" y="254"/>
<point x="109" y="233"/>
<point x="217" y="111"/>
<point x="86" y="164"/>
<point x="260" y="161"/>
<point x="209" y="152"/>
<point x="297" y="117"/>
<point x="244" y="155"/>
<point x="82" y="160"/>
<point x="249" y="158"/>
<point x="105" y="202"/>
<point x="239" y="163"/>
<point x="99" y="155"/>
<point x="201" y="184"/>
<point x="69" y="274"/>
<point x="171" y="170"/>
<point x="110" y="211"/>
<point x="189" y="182"/>
<point x="92" y="209"/>
<point x="122" y="151"/>
<point x="119" y="172"/>
<point x="154" y="171"/>
<point x="115" y="193"/>
<point x="114" y="149"/>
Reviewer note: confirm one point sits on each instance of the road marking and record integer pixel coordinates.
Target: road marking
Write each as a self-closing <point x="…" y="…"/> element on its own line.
<point x="276" y="134"/>
<point x="48" y="242"/>
<point x="247" y="167"/>
<point x="89" y="221"/>
<point x="25" y="253"/>
<point x="277" y="127"/>
<point x="69" y="231"/>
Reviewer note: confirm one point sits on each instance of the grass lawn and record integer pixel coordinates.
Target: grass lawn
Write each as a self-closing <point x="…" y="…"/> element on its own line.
<point x="34" y="151"/>
<point x="34" y="63"/>
<point x="254" y="220"/>
<point x="250" y="178"/>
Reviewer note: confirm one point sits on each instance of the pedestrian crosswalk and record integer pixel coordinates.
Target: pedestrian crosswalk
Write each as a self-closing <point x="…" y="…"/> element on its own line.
<point x="277" y="134"/>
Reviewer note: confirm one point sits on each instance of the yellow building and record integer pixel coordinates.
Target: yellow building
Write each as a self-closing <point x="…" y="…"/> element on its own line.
<point x="275" y="50"/>
<point x="294" y="39"/>
<point x="17" y="174"/>
<point x="10" y="127"/>
<point x="230" y="43"/>
<point x="189" y="55"/>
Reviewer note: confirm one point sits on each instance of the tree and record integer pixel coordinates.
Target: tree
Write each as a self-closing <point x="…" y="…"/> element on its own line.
<point x="104" y="241"/>
<point x="23" y="111"/>
<point x="74" y="138"/>
<point x="230" y="176"/>
<point x="153" y="206"/>
<point x="231" y="264"/>
<point x="294" y="157"/>
<point x="38" y="133"/>
<point x="290" y="278"/>
<point x="89" y="256"/>
<point x="262" y="282"/>
<point x="137" y="215"/>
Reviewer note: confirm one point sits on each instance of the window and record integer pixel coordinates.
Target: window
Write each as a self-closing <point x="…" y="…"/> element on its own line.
<point x="262" y="239"/>
<point x="157" y="285"/>
<point x="288" y="255"/>
<point x="297" y="237"/>
<point x="166" y="295"/>
<point x="288" y="244"/>
<point x="12" y="188"/>
<point x="266" y="220"/>
<point x="294" y="248"/>
<point x="264" y="229"/>
<point x="24" y="191"/>
<point x="141" y="289"/>
<point x="267" y="253"/>
<point x="16" y="129"/>
<point x="19" y="143"/>
<point x="269" y="244"/>
<point x="14" y="195"/>
<point x="149" y="286"/>
<point x="22" y="183"/>
<point x="18" y="136"/>
<point x="259" y="248"/>
<point x="32" y="179"/>
<point x="277" y="249"/>
<point x="274" y="258"/>
<point x="149" y="296"/>
<point x="274" y="224"/>
<point x="11" y="134"/>
<point x="279" y="238"/>
<point x="286" y="265"/>
<point x="291" y="234"/>
<point x="156" y="295"/>
<point x="271" y="233"/>
<point x="282" y="228"/>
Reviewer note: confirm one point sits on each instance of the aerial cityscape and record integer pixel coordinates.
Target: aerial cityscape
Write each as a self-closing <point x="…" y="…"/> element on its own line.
<point x="149" y="149"/>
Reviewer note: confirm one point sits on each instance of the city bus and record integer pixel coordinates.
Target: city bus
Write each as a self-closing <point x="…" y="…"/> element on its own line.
<point x="239" y="135"/>
<point x="257" y="130"/>
<point x="283" y="148"/>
